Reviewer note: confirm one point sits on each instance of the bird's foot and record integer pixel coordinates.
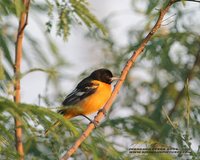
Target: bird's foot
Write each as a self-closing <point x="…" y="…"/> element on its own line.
<point x="103" y="111"/>
<point x="91" y="121"/>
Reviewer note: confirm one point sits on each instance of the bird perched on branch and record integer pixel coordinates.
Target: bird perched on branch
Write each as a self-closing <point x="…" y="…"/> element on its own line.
<point x="89" y="96"/>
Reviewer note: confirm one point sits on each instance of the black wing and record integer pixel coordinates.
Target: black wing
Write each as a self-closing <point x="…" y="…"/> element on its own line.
<point x="84" y="89"/>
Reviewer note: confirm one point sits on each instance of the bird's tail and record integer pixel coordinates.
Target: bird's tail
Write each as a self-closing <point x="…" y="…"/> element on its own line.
<point x="52" y="127"/>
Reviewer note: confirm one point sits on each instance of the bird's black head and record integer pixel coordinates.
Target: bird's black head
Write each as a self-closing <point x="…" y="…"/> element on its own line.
<point x="103" y="75"/>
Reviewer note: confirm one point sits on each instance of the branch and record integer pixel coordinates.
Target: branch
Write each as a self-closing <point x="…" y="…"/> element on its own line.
<point x="18" y="57"/>
<point x="124" y="73"/>
<point x="35" y="70"/>
<point x="198" y="1"/>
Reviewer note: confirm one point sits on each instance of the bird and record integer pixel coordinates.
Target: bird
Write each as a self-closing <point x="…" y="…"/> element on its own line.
<point x="89" y="96"/>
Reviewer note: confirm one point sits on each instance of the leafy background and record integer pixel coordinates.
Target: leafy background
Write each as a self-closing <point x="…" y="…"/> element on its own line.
<point x="157" y="106"/>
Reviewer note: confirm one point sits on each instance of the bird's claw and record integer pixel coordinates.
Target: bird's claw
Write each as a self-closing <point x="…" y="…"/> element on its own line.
<point x="103" y="111"/>
<point x="91" y="121"/>
<point x="96" y="123"/>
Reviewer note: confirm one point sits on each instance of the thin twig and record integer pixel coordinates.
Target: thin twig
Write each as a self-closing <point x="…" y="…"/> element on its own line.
<point x="124" y="73"/>
<point x="170" y="121"/>
<point x="198" y="1"/>
<point x="166" y="24"/>
<point x="34" y="70"/>
<point x="18" y="57"/>
<point x="188" y="107"/>
<point x="169" y="17"/>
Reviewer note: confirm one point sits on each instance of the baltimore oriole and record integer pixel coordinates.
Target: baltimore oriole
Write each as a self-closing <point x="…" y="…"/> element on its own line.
<point x="89" y="96"/>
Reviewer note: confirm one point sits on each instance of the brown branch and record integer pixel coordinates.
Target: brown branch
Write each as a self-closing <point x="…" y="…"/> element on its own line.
<point x="18" y="57"/>
<point x="24" y="24"/>
<point x="124" y="73"/>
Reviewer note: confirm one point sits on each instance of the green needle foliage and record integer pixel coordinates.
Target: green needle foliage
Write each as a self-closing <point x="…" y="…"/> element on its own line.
<point x="158" y="109"/>
<point x="71" y="12"/>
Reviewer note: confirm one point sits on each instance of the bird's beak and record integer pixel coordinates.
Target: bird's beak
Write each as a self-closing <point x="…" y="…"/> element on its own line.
<point x="114" y="79"/>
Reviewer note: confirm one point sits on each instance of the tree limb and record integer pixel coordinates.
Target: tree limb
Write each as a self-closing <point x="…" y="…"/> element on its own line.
<point x="18" y="57"/>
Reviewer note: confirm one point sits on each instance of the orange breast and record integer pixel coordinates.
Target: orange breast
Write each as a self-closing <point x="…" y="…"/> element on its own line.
<point x="97" y="100"/>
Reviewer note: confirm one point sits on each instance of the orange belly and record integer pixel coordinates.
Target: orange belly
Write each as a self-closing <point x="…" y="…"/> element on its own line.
<point x="92" y="103"/>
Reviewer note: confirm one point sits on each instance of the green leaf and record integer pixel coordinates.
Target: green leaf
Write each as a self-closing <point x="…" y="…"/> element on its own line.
<point x="63" y="24"/>
<point x="2" y="75"/>
<point x="19" y="7"/>
<point x="147" y="122"/>
<point x="183" y="2"/>
<point x="87" y="17"/>
<point x="152" y="6"/>
<point x="5" y="48"/>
